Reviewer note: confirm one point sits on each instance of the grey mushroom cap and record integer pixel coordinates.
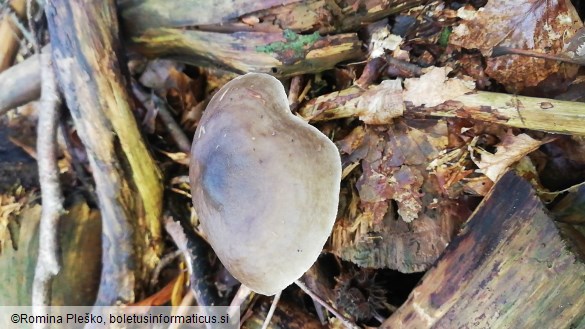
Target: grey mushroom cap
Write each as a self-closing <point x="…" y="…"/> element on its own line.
<point x="265" y="184"/>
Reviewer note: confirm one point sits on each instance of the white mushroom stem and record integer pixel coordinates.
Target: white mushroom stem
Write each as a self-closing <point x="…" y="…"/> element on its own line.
<point x="271" y="310"/>
<point x="346" y="322"/>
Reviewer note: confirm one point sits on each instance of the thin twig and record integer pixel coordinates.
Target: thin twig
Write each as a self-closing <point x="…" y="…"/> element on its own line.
<point x="76" y="162"/>
<point x="371" y="72"/>
<point x="172" y="126"/>
<point x="166" y="260"/>
<point x="403" y="69"/>
<point x="31" y="26"/>
<point x="194" y="249"/>
<point x="241" y="295"/>
<point x="501" y="51"/>
<point x="346" y="322"/>
<point x="52" y="197"/>
<point x="271" y="310"/>
<point x="296" y="85"/>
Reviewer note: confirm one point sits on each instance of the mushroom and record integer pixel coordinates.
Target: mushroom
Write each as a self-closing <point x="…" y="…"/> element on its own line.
<point x="265" y="184"/>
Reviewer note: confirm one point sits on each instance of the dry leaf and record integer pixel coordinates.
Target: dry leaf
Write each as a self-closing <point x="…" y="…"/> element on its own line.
<point x="178" y="157"/>
<point x="538" y="25"/>
<point x="510" y="150"/>
<point x="156" y="73"/>
<point x="383" y="40"/>
<point x="434" y="88"/>
<point x="575" y="48"/>
<point x="9" y="208"/>
<point x="381" y="103"/>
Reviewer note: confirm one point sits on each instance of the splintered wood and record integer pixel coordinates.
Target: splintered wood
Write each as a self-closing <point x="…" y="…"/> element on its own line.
<point x="510" y="267"/>
<point x="400" y="217"/>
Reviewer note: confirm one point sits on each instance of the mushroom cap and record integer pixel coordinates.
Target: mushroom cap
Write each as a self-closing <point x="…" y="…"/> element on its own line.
<point x="265" y="184"/>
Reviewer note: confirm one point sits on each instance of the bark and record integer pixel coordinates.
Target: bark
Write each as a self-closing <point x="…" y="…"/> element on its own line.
<point x="48" y="262"/>
<point x="278" y="48"/>
<point x="86" y="51"/>
<point x="20" y="84"/>
<point x="276" y="33"/>
<point x="510" y="267"/>
<point x="533" y="113"/>
<point x="282" y="53"/>
<point x="196" y="251"/>
<point x="325" y="16"/>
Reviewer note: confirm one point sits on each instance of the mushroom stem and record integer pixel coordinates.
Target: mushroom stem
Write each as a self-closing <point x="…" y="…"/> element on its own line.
<point x="346" y="322"/>
<point x="271" y="310"/>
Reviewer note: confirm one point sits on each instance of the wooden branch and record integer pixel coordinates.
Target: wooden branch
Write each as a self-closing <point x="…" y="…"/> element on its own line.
<point x="541" y="114"/>
<point x="52" y="197"/>
<point x="533" y="113"/>
<point x="278" y="53"/>
<point x="195" y="250"/>
<point x="510" y="267"/>
<point x="128" y="183"/>
<point x="212" y="33"/>
<point x="20" y="84"/>
<point x="157" y="33"/>
<point x="189" y="12"/>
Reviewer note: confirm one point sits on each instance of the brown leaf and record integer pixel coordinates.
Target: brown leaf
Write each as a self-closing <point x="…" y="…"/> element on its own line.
<point x="10" y="206"/>
<point x="183" y="93"/>
<point x="394" y="168"/>
<point x="434" y="88"/>
<point x="510" y="150"/>
<point x="537" y="25"/>
<point x="381" y="103"/>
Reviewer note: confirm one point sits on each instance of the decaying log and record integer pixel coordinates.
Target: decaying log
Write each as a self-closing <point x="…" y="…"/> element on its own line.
<point x="325" y="16"/>
<point x="277" y="50"/>
<point x="204" y="34"/>
<point x="510" y="267"/>
<point x="128" y="184"/>
<point x="279" y="53"/>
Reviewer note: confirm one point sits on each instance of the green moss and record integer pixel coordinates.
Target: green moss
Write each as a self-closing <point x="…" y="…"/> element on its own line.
<point x="295" y="42"/>
<point x="444" y="37"/>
